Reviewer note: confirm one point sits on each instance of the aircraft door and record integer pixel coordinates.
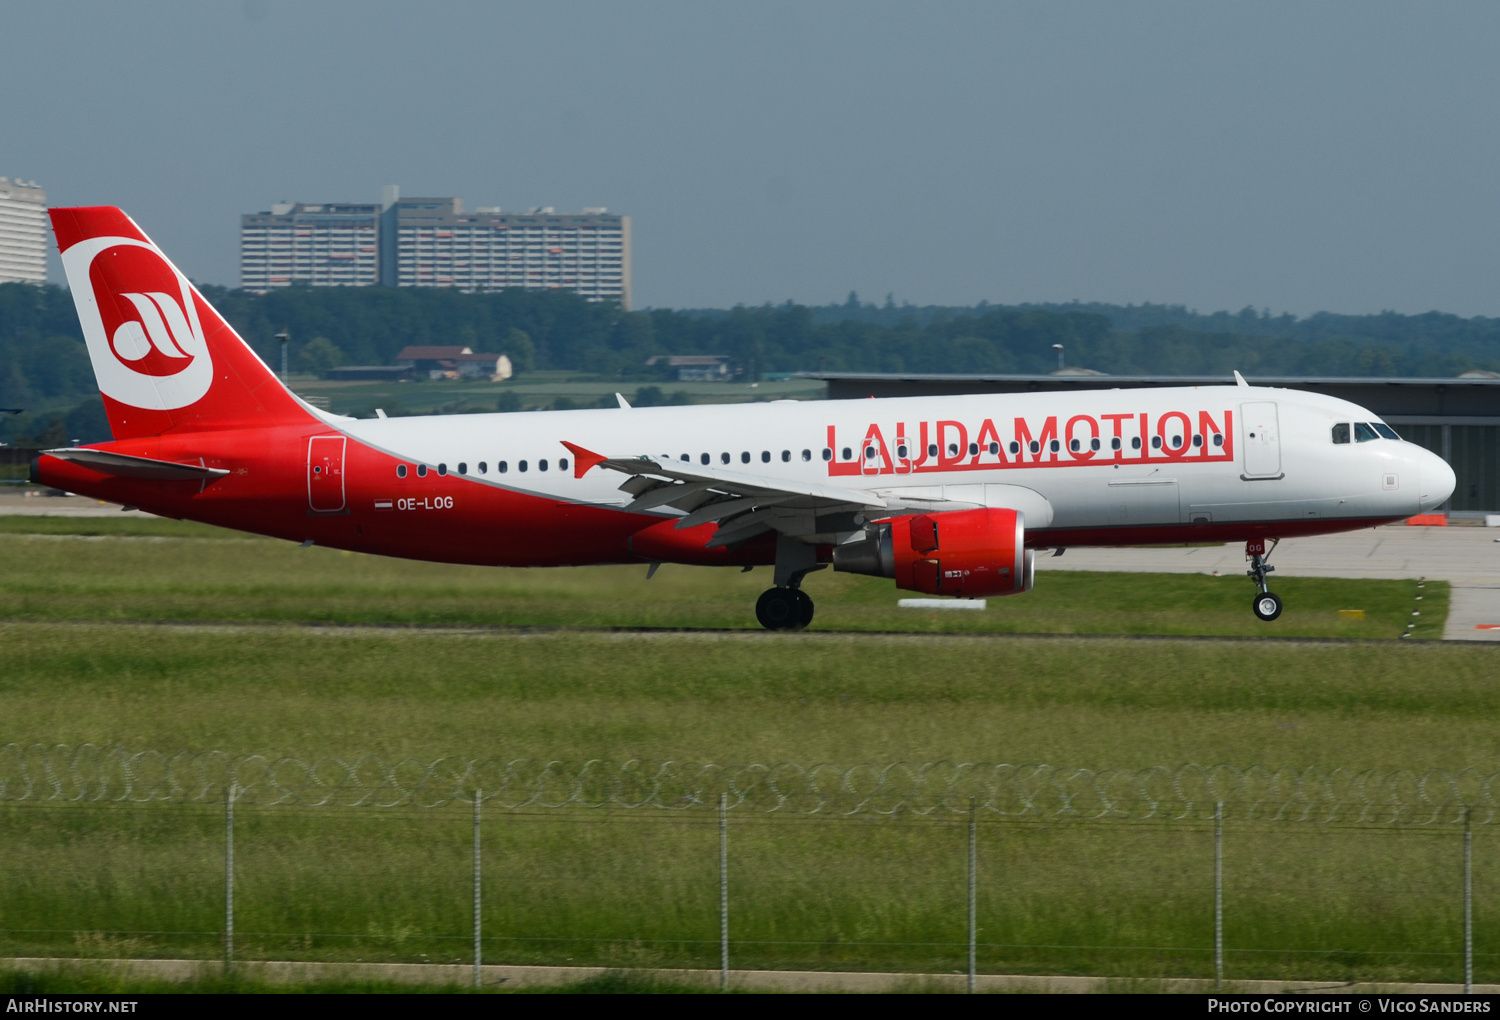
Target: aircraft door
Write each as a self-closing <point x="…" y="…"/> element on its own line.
<point x="1261" y="440"/>
<point x="325" y="473"/>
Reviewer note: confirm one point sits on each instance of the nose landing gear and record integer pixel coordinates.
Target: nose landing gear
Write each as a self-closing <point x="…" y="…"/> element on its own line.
<point x="1267" y="604"/>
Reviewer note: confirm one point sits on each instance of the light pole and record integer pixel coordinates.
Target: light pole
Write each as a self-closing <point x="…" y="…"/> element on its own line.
<point x="1056" y="347"/>
<point x="285" y="339"/>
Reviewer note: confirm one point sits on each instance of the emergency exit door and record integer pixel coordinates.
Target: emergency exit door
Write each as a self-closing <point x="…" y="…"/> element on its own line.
<point x="325" y="473"/>
<point x="1260" y="439"/>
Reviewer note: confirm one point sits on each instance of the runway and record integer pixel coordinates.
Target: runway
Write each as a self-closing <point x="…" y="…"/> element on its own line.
<point x="1466" y="557"/>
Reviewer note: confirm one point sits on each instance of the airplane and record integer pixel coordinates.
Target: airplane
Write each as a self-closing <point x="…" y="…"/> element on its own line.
<point x="947" y="496"/>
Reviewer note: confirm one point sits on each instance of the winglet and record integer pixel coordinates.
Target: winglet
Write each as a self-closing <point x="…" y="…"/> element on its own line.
<point x="583" y="459"/>
<point x="1239" y="380"/>
<point x="624" y="404"/>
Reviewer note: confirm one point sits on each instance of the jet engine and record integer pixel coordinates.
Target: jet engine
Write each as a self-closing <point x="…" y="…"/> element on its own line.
<point x="965" y="553"/>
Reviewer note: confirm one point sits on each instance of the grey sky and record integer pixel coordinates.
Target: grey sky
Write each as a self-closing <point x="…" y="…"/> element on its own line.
<point x="1296" y="156"/>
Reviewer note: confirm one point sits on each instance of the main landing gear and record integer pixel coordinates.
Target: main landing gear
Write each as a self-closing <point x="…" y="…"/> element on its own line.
<point x="784" y="609"/>
<point x="1267" y="604"/>
<point x="787" y="606"/>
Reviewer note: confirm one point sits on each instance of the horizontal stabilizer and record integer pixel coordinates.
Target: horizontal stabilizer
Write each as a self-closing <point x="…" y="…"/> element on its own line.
<point x="126" y="466"/>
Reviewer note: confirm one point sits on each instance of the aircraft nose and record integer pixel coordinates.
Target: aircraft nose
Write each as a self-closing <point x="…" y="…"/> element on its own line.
<point x="1437" y="480"/>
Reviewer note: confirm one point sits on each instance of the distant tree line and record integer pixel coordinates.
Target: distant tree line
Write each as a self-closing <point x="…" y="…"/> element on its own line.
<point x="44" y="367"/>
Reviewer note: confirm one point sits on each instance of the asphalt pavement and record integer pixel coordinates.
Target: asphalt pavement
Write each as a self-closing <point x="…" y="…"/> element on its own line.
<point x="1466" y="557"/>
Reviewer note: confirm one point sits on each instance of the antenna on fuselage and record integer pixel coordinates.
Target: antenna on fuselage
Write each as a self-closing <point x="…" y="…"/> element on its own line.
<point x="623" y="402"/>
<point x="1239" y="380"/>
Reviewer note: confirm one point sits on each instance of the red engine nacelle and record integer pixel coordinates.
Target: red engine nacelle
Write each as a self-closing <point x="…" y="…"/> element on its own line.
<point x="965" y="553"/>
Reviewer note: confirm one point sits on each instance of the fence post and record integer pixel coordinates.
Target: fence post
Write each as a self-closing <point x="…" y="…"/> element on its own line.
<point x="229" y="879"/>
<point x="478" y="796"/>
<point x="1219" y="896"/>
<point x="723" y="892"/>
<point x="973" y="929"/>
<point x="1468" y="905"/>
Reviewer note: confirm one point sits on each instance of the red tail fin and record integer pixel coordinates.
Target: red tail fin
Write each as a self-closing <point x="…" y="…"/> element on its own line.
<point x="164" y="359"/>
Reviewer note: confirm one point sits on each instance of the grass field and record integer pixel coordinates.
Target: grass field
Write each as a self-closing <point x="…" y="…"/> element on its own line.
<point x="629" y="889"/>
<point x="54" y="569"/>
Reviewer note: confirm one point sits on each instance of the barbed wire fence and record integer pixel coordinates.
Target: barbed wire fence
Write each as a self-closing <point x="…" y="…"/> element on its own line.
<point x="63" y="774"/>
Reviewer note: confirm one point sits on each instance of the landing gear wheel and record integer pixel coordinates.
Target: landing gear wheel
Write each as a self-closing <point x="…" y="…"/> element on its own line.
<point x="779" y="609"/>
<point x="1267" y="606"/>
<point x="804" y="608"/>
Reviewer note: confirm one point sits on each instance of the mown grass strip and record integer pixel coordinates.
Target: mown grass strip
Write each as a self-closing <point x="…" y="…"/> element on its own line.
<point x="54" y="576"/>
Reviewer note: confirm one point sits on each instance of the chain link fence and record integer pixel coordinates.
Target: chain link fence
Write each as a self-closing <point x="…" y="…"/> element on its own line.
<point x="970" y="866"/>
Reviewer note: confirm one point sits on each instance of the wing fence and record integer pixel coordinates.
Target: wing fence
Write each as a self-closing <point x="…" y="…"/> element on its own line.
<point x="1190" y="792"/>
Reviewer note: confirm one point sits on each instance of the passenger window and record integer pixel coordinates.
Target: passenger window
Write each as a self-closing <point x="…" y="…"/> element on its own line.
<point x="973" y="449"/>
<point x="521" y="465"/>
<point x="932" y="449"/>
<point x="463" y="467"/>
<point x="724" y="458"/>
<point x="400" y="470"/>
<point x="704" y="459"/>
<point x="901" y="451"/>
<point x="1218" y="439"/>
<point x="870" y="452"/>
<point x="1114" y="444"/>
<point x="442" y="469"/>
<point x="1385" y="430"/>
<point x="1055" y="445"/>
<point x="1015" y="448"/>
<point x="482" y="467"/>
<point x="1363" y="433"/>
<point x="1176" y="442"/>
<point x="1075" y="445"/>
<point x="1156" y="442"/>
<point x="1341" y="433"/>
<point x="1036" y="447"/>
<point x="562" y="463"/>
<point x="765" y="456"/>
<point x="1135" y="442"/>
<point x="1094" y="443"/>
<point x="745" y="457"/>
<point x="786" y="456"/>
<point x="994" y="448"/>
<point x="421" y="470"/>
<point x="848" y="453"/>
<point x="827" y="454"/>
<point x="1197" y="440"/>
<point x="953" y="449"/>
<point x="501" y="466"/>
<point x="686" y="457"/>
<point x="541" y="465"/>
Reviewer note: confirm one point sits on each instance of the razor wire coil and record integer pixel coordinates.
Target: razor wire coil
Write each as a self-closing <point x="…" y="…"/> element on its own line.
<point x="88" y="773"/>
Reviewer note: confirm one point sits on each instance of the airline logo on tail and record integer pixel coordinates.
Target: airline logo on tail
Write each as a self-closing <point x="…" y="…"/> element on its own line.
<point x="140" y="321"/>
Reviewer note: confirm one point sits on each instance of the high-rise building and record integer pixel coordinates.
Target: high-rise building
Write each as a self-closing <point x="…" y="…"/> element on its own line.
<point x="23" y="232"/>
<point x="437" y="244"/>
<point x="432" y="242"/>
<point x="323" y="245"/>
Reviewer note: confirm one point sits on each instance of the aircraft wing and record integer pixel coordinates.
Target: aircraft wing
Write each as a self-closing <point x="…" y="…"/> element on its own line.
<point x="743" y="504"/>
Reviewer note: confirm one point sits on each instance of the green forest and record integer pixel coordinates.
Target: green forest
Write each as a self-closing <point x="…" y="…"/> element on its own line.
<point x="45" y="371"/>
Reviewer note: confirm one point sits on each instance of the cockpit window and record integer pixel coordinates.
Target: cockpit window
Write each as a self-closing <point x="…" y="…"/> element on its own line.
<point x="1341" y="433"/>
<point x="1385" y="430"/>
<point x="1363" y="433"/>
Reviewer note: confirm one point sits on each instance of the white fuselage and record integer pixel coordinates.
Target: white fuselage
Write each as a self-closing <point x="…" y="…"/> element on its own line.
<point x="1100" y="462"/>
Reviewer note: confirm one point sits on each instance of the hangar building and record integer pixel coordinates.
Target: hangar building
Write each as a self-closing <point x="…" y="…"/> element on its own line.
<point x="1458" y="419"/>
